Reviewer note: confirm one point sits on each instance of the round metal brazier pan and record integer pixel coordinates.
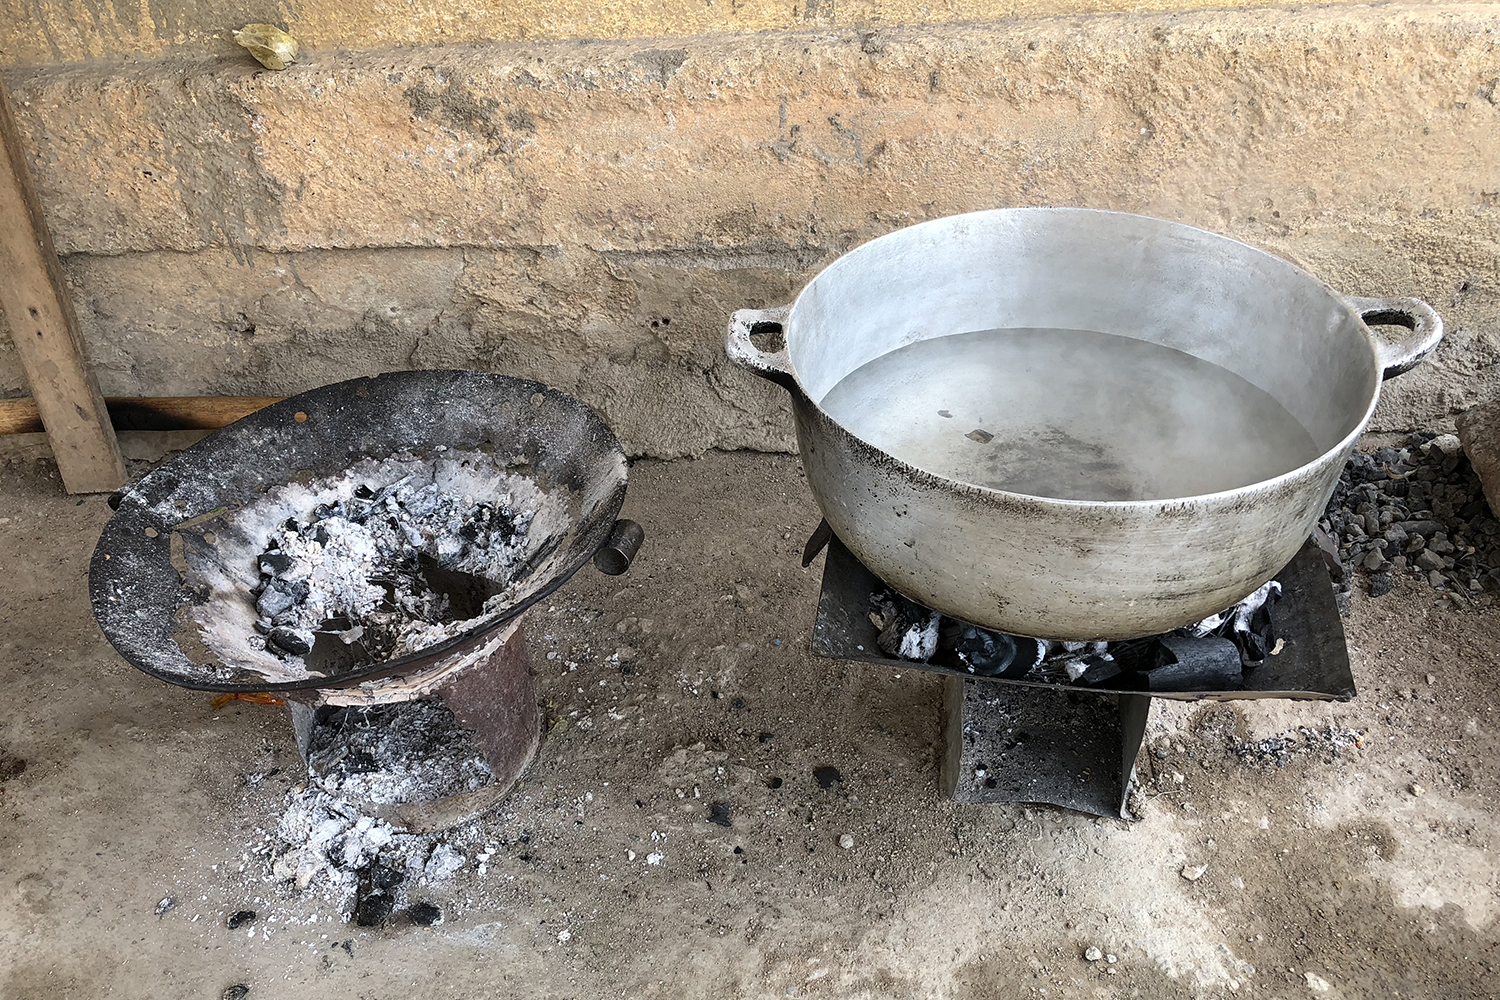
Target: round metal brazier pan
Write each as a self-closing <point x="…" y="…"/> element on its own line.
<point x="1071" y="569"/>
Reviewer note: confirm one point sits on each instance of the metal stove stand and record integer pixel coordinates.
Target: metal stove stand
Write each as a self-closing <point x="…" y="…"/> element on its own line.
<point x="1070" y="745"/>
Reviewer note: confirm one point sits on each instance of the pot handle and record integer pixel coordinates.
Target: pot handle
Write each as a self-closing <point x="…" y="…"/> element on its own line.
<point x="776" y="366"/>
<point x="1400" y="354"/>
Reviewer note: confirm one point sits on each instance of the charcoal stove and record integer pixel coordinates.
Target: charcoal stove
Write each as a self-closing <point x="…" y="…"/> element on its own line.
<point x="182" y="579"/>
<point x="1037" y="736"/>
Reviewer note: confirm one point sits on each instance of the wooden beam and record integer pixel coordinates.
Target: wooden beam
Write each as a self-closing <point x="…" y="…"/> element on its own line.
<point x="35" y="303"/>
<point x="146" y="413"/>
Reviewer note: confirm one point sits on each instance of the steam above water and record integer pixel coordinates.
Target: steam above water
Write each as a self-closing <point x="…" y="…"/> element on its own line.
<point x="1070" y="414"/>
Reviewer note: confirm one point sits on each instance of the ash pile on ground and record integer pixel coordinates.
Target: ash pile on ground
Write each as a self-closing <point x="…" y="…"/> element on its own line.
<point x="379" y="574"/>
<point x="1418" y="509"/>
<point x="326" y="840"/>
<point x="1325" y="744"/>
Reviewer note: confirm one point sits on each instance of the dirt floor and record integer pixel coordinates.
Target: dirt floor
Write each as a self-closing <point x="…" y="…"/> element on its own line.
<point x="1370" y="870"/>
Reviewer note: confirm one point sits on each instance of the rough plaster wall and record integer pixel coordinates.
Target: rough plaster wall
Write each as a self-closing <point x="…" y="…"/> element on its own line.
<point x="42" y="32"/>
<point x="537" y="208"/>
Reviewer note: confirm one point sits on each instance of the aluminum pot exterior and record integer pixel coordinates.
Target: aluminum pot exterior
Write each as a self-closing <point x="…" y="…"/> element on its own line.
<point x="1028" y="566"/>
<point x="1067" y="569"/>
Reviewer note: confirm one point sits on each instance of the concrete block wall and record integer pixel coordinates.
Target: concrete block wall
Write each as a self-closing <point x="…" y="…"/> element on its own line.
<point x="589" y="212"/>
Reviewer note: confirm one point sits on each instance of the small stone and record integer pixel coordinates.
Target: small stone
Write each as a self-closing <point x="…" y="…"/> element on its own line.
<point x="979" y="435"/>
<point x="1448" y="444"/>
<point x="1111" y="959"/>
<point x="239" y="991"/>
<point x="1316" y="983"/>
<point x="1093" y="954"/>
<point x="1427" y="559"/>
<point x="1431" y="679"/>
<point x="1193" y="872"/>
<point x="846" y="840"/>
<point x="1375" y="561"/>
<point x="166" y="904"/>
<point x="1436" y="580"/>
<point x="240" y="918"/>
<point x="1416" y="790"/>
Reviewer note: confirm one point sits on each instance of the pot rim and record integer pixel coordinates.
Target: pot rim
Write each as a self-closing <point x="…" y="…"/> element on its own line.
<point x="991" y="493"/>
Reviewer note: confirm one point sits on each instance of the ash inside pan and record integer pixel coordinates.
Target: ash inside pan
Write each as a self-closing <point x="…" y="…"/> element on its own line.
<point x="382" y="561"/>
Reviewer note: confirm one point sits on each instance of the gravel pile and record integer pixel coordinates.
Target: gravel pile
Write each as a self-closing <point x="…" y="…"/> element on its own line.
<point x="1418" y="509"/>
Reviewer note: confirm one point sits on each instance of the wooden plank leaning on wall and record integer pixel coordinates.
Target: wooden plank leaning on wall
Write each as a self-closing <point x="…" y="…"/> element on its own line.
<point x="35" y="303"/>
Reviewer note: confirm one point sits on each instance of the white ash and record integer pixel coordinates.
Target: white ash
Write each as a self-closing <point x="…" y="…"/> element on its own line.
<point x="1278" y="751"/>
<point x="413" y="751"/>
<point x="920" y="640"/>
<point x="361" y="759"/>
<point x="349" y="556"/>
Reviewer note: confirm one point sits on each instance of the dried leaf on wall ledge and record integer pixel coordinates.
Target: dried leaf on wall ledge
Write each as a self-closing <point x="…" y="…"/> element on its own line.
<point x="272" y="47"/>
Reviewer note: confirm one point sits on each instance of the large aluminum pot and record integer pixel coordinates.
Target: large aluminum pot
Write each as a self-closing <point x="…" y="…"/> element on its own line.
<point x="1075" y="569"/>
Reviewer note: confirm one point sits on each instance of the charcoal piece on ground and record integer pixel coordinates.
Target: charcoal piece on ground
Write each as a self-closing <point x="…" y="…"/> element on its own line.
<point x="240" y="918"/>
<point x="1184" y="663"/>
<point x="424" y="914"/>
<point x="1381" y="584"/>
<point x="718" y="814"/>
<point x="827" y="775"/>
<point x="239" y="991"/>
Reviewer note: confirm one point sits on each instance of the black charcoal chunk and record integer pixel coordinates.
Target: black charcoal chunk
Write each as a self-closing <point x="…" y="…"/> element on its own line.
<point x="981" y="652"/>
<point x="424" y="914"/>
<point x="290" y="640"/>
<point x="240" y="918"/>
<point x="718" y="814"/>
<point x="1184" y="663"/>
<point x="273" y="563"/>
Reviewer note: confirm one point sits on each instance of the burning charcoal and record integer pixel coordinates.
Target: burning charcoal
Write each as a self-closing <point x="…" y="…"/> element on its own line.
<point x="1184" y="663"/>
<point x="240" y="918"/>
<point x="290" y="640"/>
<point x="424" y="914"/>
